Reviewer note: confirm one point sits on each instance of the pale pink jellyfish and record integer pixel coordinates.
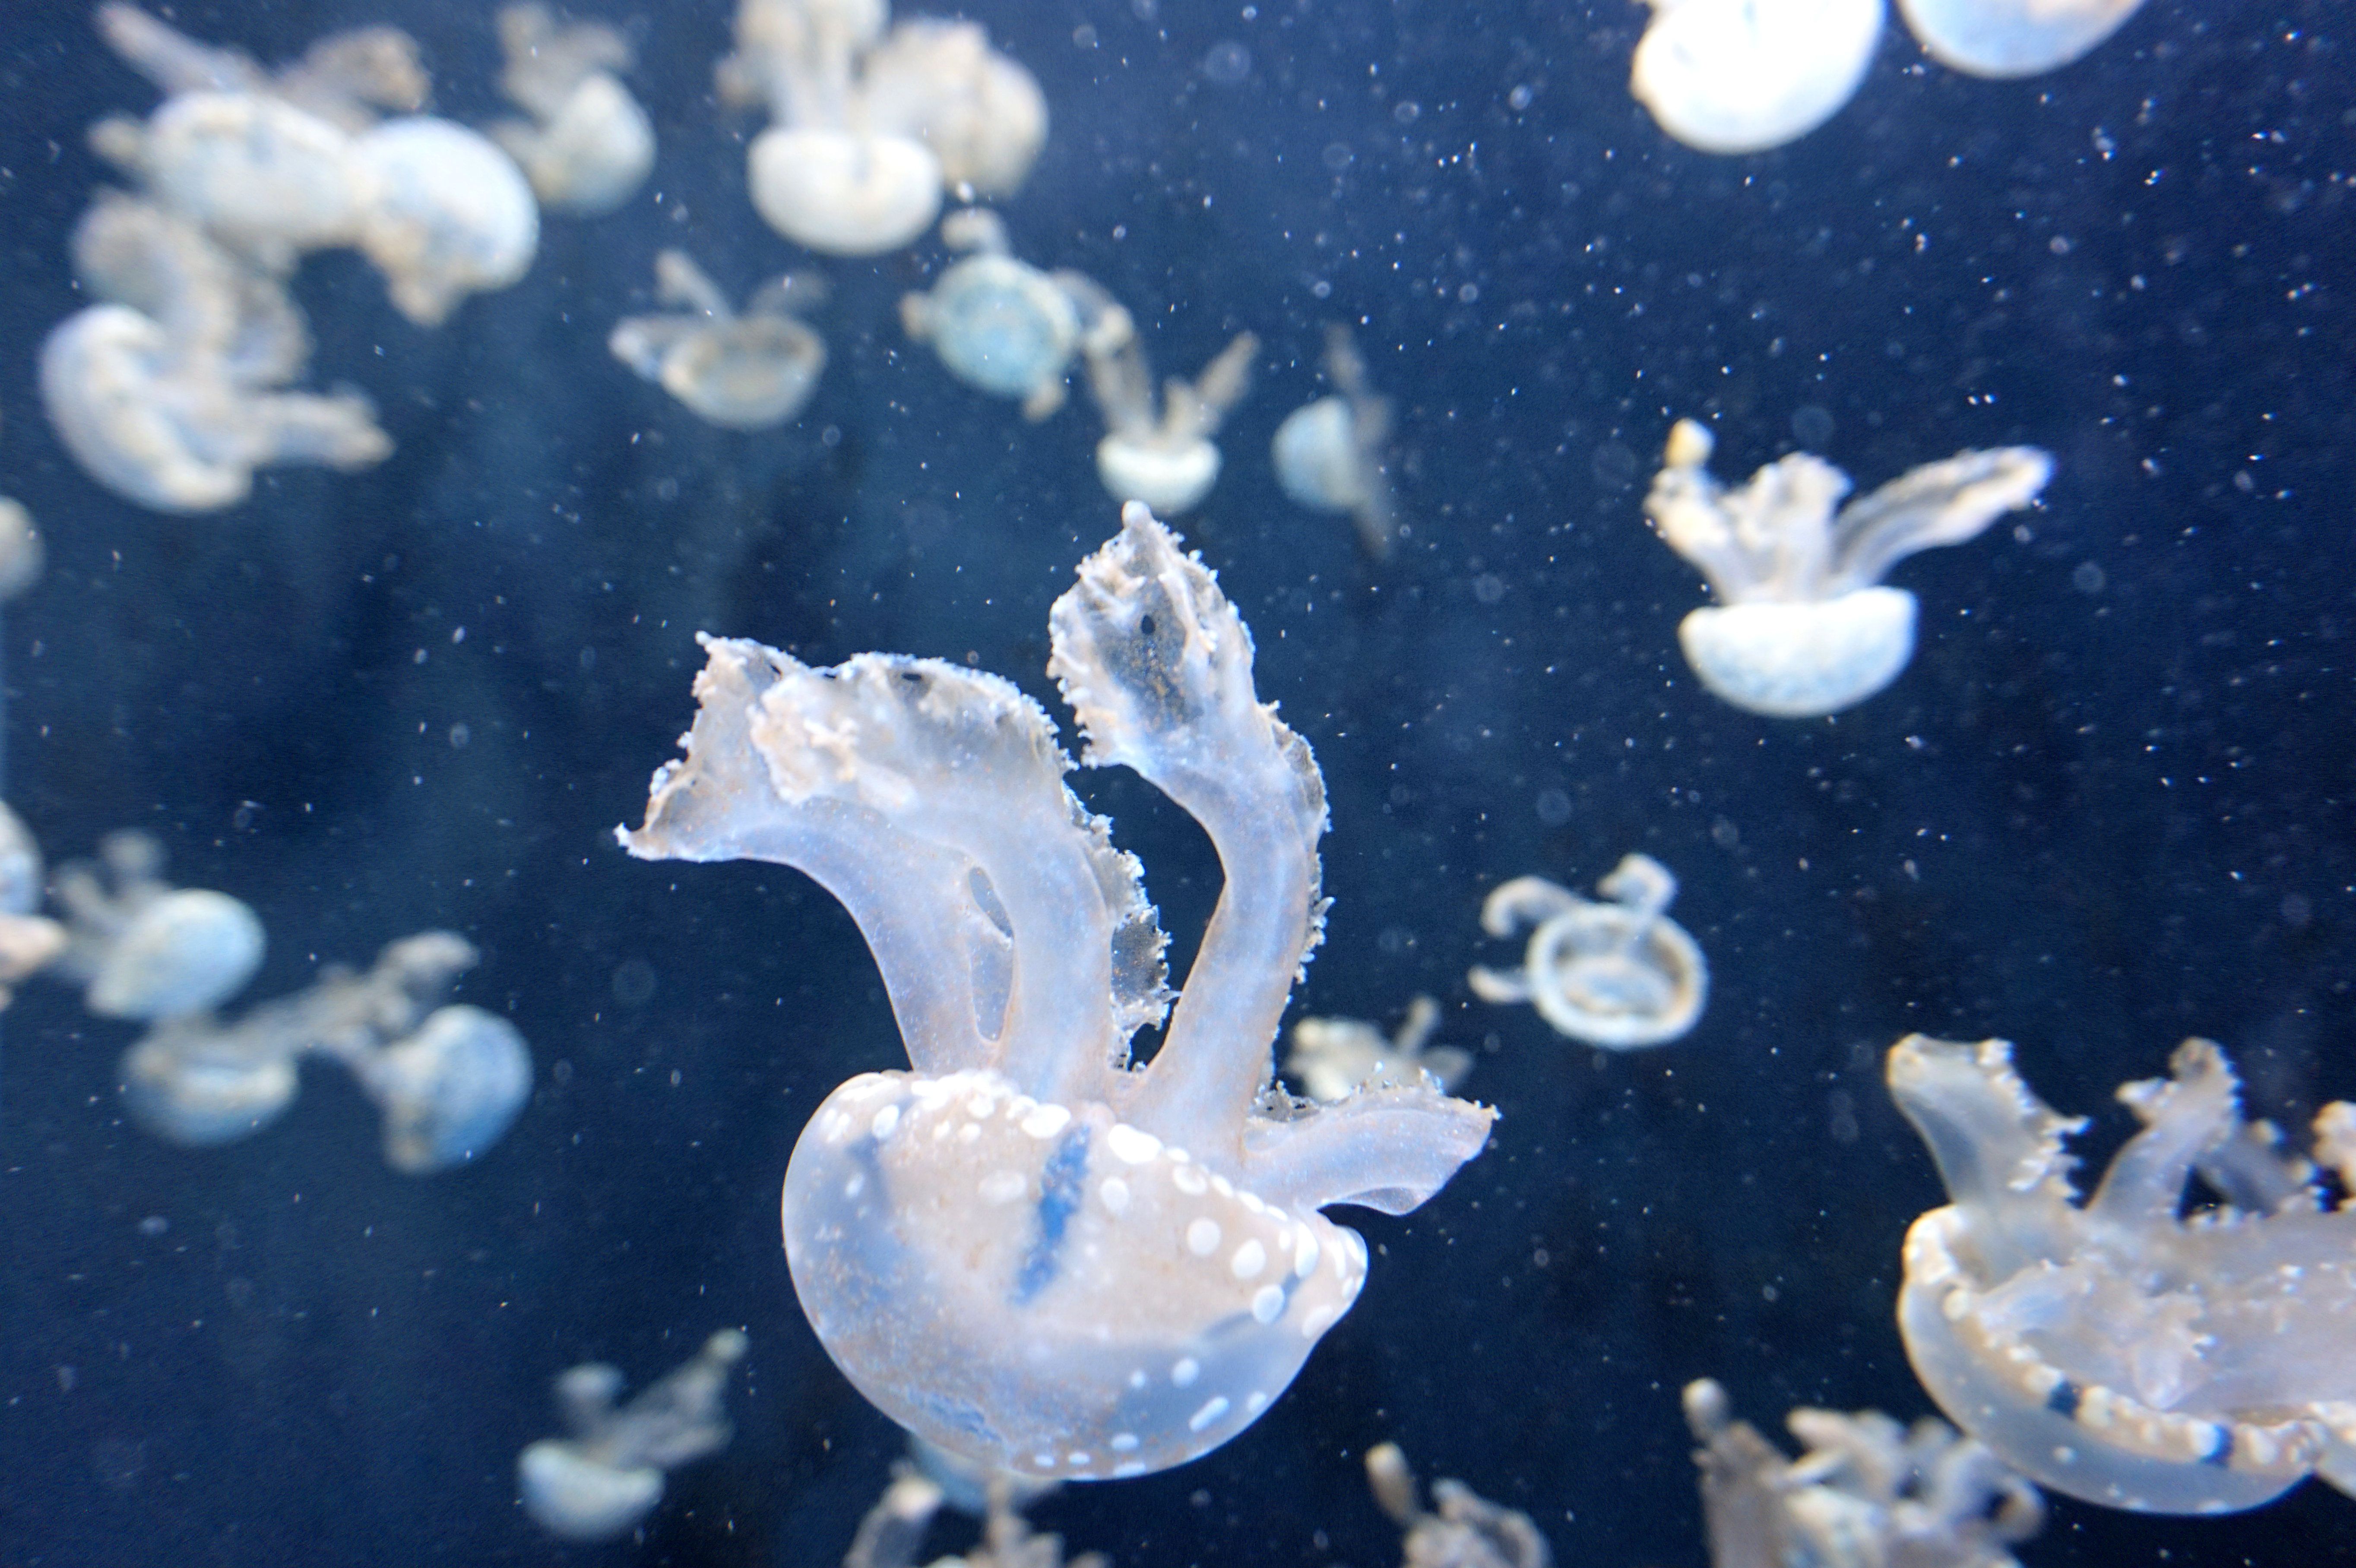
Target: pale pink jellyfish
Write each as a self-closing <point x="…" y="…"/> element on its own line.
<point x="1804" y="627"/>
<point x="980" y="113"/>
<point x="588" y="145"/>
<point x="999" y="324"/>
<point x="1330" y="454"/>
<point x="1028" y="1250"/>
<point x="1742" y="75"/>
<point x="823" y="176"/>
<point x="1618" y="973"/>
<point x="751" y="371"/>
<point x="608" y="1474"/>
<point x="144" y="949"/>
<point x="2013" y="38"/>
<point x="1159" y="454"/>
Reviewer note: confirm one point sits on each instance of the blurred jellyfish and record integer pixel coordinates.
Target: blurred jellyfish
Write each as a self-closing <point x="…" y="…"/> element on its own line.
<point x="1742" y="75"/>
<point x="29" y="942"/>
<point x="588" y="145"/>
<point x="1000" y="325"/>
<point x="21" y="555"/>
<point x="1164" y="458"/>
<point x="144" y="948"/>
<point x="968" y="1484"/>
<point x="980" y="113"/>
<point x="1332" y="1059"/>
<point x="2012" y="38"/>
<point x="1804" y="629"/>
<point x="608" y="1475"/>
<point x="892" y="1535"/>
<point x="823" y="176"/>
<point x="746" y="372"/>
<point x="1619" y="974"/>
<point x="1468" y="1530"/>
<point x="449" y="1091"/>
<point x="447" y="214"/>
<point x="1329" y="455"/>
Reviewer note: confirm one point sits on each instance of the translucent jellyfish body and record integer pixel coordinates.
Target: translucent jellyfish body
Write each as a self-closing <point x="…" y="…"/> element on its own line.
<point x="1026" y="1249"/>
<point x="978" y="112"/>
<point x="1619" y="974"/>
<point x="145" y="949"/>
<point x="747" y="372"/>
<point x="29" y="942"/>
<point x="1000" y="325"/>
<point x="1329" y="455"/>
<point x="1162" y="456"/>
<point x="1332" y="1059"/>
<point x="2013" y="38"/>
<point x="1742" y="76"/>
<point x="892" y="1535"/>
<point x="1467" y="1531"/>
<point x="448" y="214"/>
<point x="21" y="551"/>
<point x="608" y="1475"/>
<point x="2116" y="1347"/>
<point x="1804" y="629"/>
<point x="1866" y="1491"/>
<point x="588" y="145"/>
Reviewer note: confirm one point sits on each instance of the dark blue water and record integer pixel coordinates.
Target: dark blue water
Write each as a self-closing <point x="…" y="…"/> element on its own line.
<point x="2105" y="808"/>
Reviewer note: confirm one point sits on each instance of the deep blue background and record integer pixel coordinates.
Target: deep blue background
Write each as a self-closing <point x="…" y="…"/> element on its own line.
<point x="2103" y="810"/>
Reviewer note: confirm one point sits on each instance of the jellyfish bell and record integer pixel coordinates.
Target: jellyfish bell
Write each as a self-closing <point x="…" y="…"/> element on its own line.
<point x="1317" y="457"/>
<point x="1000" y="325"/>
<point x="593" y="155"/>
<point x="980" y="111"/>
<point x="1801" y="661"/>
<point x="200" y="1098"/>
<point x="1742" y="75"/>
<point x="444" y="214"/>
<point x="1170" y="477"/>
<point x="2012" y="38"/>
<point x="843" y="194"/>
<point x="756" y="373"/>
<point x="1618" y="973"/>
<point x="183" y="952"/>
<point x="254" y="169"/>
<point x="575" y="1497"/>
<point x="449" y="1091"/>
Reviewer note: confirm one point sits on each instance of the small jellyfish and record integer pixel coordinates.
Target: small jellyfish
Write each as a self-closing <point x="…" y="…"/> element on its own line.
<point x="1742" y="75"/>
<point x="2012" y="38"/>
<point x="980" y="113"/>
<point x="588" y="145"/>
<point x="1468" y="1530"/>
<point x="447" y="214"/>
<point x="1000" y="325"/>
<point x="1805" y="627"/>
<point x="1164" y="458"/>
<point x="1619" y="974"/>
<point x="892" y="1535"/>
<point x="1332" y="1059"/>
<point x="21" y="552"/>
<point x="1329" y="455"/>
<point x="449" y="1091"/>
<point x="29" y="942"/>
<point x="144" y="949"/>
<point x="608" y="1475"/>
<point x="746" y="372"/>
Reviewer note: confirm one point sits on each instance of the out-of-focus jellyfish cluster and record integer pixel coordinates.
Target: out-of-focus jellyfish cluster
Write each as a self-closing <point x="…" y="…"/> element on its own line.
<point x="1330" y="454"/>
<point x="587" y="146"/>
<point x="1332" y="1059"/>
<point x="1804" y="627"/>
<point x="1617" y="972"/>
<point x="1028" y="1251"/>
<point x="751" y="370"/>
<point x="607" y="1474"/>
<point x="1865" y="1493"/>
<point x="1461" y="1528"/>
<point x="2116" y="1347"/>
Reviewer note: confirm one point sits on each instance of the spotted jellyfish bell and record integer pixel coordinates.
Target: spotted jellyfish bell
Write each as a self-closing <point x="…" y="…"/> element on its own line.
<point x="1000" y="325"/>
<point x="1742" y="75"/>
<point x="2012" y="38"/>
<point x="1619" y="974"/>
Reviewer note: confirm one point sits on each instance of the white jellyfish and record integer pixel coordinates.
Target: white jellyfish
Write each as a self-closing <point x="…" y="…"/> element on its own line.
<point x="588" y="145"/>
<point x="29" y="941"/>
<point x="1000" y="325"/>
<point x="892" y="1535"/>
<point x="745" y="371"/>
<point x="2012" y="38"/>
<point x="1742" y="75"/>
<point x="1163" y="457"/>
<point x="1329" y="454"/>
<point x="1619" y="974"/>
<point x="448" y="214"/>
<point x="21" y="556"/>
<point x="822" y="175"/>
<point x="978" y="111"/>
<point x="145" y="949"/>
<point x="1467" y="1531"/>
<point x="1332" y="1059"/>
<point x="1804" y="627"/>
<point x="449" y="1091"/>
<point x="608" y="1475"/>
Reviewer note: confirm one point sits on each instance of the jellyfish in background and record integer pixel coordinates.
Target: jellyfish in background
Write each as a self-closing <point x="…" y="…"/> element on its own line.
<point x="1805" y="628"/>
<point x="1001" y="325"/>
<point x="1028" y="1251"/>
<point x="2117" y="1349"/>
<point x="1164" y="458"/>
<point x="892" y="1535"/>
<point x="144" y="949"/>
<point x="29" y="941"/>
<point x="1742" y="75"/>
<point x="447" y="214"/>
<point x="588" y="145"/>
<point x="1468" y="1530"/>
<point x="1619" y="974"/>
<point x="1867" y="1492"/>
<point x="2012" y="38"/>
<point x="608" y="1475"/>
<point x="1329" y="455"/>
<point x="746" y="372"/>
<point x="982" y="114"/>
<point x="1332" y="1059"/>
<point x="448" y="1080"/>
<point x="21" y="551"/>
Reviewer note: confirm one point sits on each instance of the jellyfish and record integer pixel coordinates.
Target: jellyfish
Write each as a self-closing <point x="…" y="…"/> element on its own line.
<point x="21" y="552"/>
<point x="1332" y="1059"/>
<point x="1742" y="75"/>
<point x="978" y="111"/>
<point x="1027" y="1250"/>
<point x="824" y="176"/>
<point x="746" y="372"/>
<point x="1619" y="974"/>
<point x="1329" y="455"/>
<point x="588" y="145"/>
<point x="608" y="1475"/>
<point x="447" y="215"/>
<point x="1468" y="1530"/>
<point x="1166" y="459"/>
<point x="892" y="1535"/>
<point x="1000" y="325"/>
<point x="29" y="941"/>
<point x="2116" y="1347"/>
<point x="2012" y="38"/>
<point x="449" y="1091"/>
<point x="1866" y="1491"/>
<point x="1805" y="627"/>
<point x="144" y="949"/>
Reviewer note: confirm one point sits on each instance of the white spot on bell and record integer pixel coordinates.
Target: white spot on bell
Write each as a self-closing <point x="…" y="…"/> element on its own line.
<point x="885" y="1120"/>
<point x="1203" y="1237"/>
<point x="1212" y="1408"/>
<point x="1113" y="1193"/>
<point x="1186" y="1178"/>
<point x="1047" y="1120"/>
<point x="1250" y="1259"/>
<point x="1268" y="1304"/>
<point x="1001" y="1187"/>
<point x="1131" y="1145"/>
<point x="1184" y="1371"/>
